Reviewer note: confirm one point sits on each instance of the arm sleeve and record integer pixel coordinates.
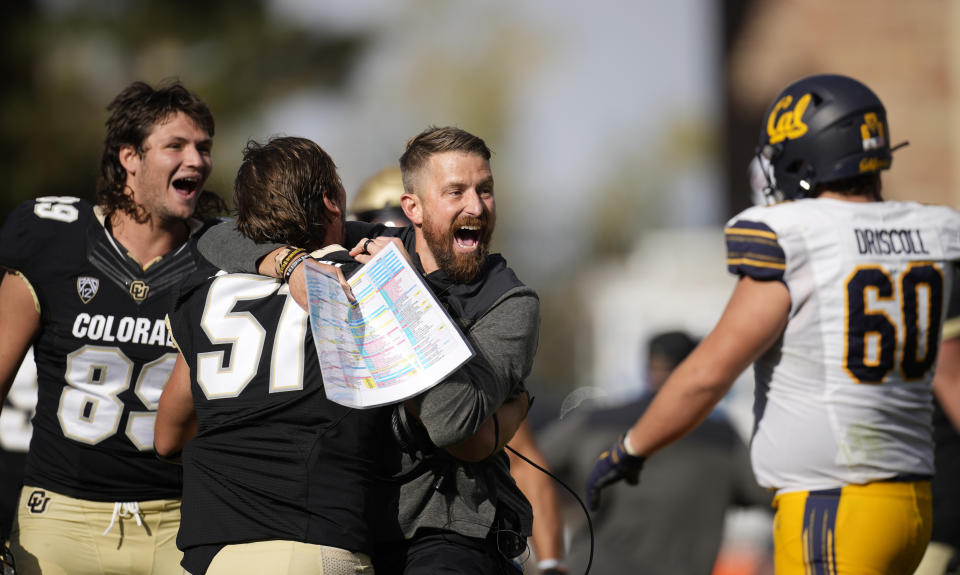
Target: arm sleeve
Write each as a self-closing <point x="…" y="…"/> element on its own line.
<point x="357" y="231"/>
<point x="506" y="342"/>
<point x="754" y="250"/>
<point x="28" y="243"/>
<point x="33" y="241"/>
<point x="228" y="249"/>
<point x="225" y="247"/>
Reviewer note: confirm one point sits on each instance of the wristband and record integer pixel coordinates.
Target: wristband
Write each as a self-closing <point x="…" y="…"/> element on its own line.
<point x="627" y="446"/>
<point x="551" y="563"/>
<point x="293" y="266"/>
<point x="282" y="263"/>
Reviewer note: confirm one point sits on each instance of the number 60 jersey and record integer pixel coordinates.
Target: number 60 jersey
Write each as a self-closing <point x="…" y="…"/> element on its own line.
<point x="844" y="396"/>
<point x="103" y="353"/>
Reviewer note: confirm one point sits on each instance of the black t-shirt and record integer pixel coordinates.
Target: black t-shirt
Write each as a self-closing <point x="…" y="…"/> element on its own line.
<point x="946" y="480"/>
<point x="272" y="458"/>
<point x="103" y="353"/>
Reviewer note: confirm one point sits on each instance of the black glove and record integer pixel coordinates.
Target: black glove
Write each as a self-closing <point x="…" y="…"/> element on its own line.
<point x="613" y="465"/>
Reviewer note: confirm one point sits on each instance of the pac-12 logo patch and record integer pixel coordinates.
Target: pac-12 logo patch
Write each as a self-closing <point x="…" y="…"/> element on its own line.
<point x="138" y="290"/>
<point x="37" y="502"/>
<point x="87" y="288"/>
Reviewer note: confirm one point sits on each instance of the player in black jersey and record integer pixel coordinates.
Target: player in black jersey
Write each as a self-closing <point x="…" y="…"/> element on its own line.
<point x="461" y="514"/>
<point x="89" y="286"/>
<point x="277" y="479"/>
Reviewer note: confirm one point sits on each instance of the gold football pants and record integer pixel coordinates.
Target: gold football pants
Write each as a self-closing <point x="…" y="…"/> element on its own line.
<point x="58" y="535"/>
<point x="288" y="558"/>
<point x="881" y="528"/>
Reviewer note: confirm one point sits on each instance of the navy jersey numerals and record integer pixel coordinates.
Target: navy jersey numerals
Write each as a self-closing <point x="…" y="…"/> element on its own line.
<point x="877" y="341"/>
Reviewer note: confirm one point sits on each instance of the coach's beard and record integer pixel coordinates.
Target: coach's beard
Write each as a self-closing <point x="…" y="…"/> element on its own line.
<point x="461" y="267"/>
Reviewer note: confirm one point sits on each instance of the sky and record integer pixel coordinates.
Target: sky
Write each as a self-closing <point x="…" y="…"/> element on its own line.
<point x="582" y="94"/>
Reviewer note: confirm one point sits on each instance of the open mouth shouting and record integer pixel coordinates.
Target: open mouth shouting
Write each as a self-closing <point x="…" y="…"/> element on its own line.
<point x="471" y="234"/>
<point x="187" y="186"/>
<point x="460" y="249"/>
<point x="468" y="237"/>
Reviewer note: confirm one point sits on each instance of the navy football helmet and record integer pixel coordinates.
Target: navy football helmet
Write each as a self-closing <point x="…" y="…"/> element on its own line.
<point x="821" y="129"/>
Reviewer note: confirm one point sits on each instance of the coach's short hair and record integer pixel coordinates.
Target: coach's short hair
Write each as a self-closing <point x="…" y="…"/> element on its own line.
<point x="436" y="140"/>
<point x="133" y="115"/>
<point x="279" y="192"/>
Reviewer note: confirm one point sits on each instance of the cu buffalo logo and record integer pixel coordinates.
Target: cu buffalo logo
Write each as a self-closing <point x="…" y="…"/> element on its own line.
<point x="138" y="290"/>
<point x="37" y="502"/>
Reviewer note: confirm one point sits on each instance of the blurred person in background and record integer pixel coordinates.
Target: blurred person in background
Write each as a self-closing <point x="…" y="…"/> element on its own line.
<point x="942" y="554"/>
<point x="89" y="286"/>
<point x="674" y="525"/>
<point x="378" y="201"/>
<point x="839" y="305"/>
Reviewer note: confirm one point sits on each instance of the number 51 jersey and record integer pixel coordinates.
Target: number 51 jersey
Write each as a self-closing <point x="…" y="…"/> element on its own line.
<point x="103" y="353"/>
<point x="844" y="397"/>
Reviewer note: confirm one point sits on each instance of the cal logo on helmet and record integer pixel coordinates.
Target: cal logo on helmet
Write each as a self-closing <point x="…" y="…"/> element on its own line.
<point x="87" y="288"/>
<point x="822" y="129"/>
<point x="786" y="123"/>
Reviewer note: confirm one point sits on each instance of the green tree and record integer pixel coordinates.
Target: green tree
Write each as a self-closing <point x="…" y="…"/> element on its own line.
<point x="62" y="62"/>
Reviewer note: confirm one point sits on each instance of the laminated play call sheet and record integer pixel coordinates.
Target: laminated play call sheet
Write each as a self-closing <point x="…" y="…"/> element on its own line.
<point x="394" y="343"/>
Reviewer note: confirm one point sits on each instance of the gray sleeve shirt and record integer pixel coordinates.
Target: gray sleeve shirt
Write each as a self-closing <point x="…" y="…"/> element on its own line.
<point x="464" y="497"/>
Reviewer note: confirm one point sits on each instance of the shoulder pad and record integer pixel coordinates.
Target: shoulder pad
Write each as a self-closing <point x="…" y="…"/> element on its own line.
<point x="49" y="224"/>
<point x="754" y="250"/>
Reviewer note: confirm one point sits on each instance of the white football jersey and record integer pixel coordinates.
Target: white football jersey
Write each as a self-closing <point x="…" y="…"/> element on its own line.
<point x="844" y="397"/>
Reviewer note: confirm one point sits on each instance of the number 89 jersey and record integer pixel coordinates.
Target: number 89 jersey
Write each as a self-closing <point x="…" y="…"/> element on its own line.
<point x="103" y="353"/>
<point x="844" y="397"/>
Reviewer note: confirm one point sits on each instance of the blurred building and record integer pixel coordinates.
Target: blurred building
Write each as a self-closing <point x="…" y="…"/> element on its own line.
<point x="908" y="52"/>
